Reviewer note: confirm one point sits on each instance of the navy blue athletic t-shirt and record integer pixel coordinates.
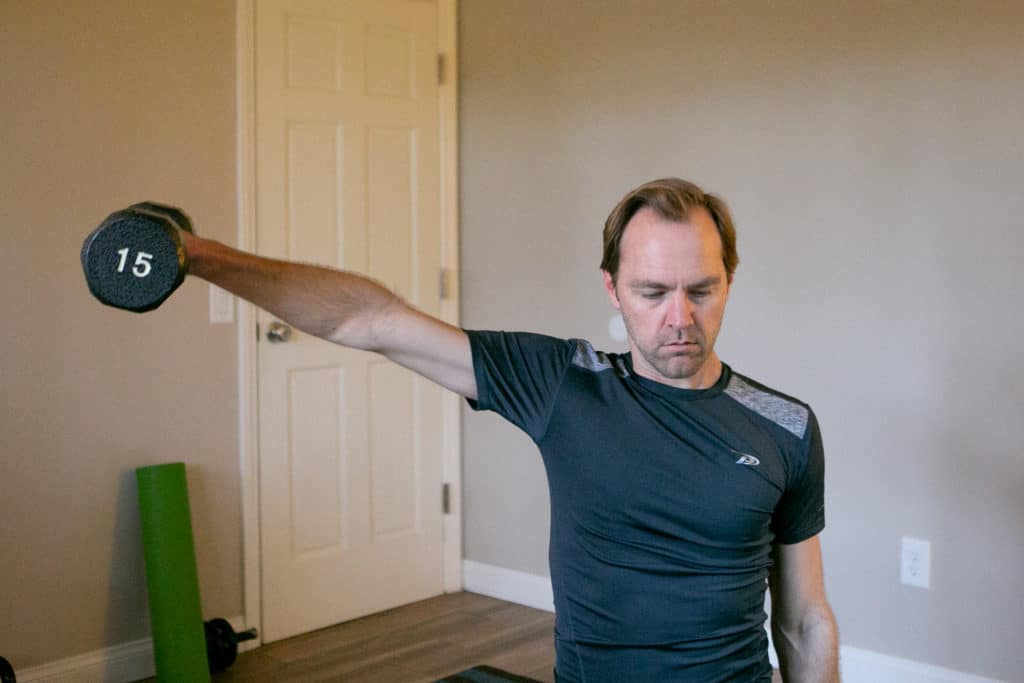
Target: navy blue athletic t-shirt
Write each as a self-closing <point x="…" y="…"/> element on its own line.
<point x="665" y="503"/>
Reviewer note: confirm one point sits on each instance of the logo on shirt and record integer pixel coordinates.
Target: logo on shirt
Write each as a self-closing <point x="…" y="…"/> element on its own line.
<point x="746" y="459"/>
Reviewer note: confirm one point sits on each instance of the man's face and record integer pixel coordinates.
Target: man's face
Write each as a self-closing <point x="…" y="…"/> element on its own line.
<point x="671" y="290"/>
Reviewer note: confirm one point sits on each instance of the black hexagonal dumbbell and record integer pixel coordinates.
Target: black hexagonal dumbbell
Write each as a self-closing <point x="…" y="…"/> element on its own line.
<point x="136" y="257"/>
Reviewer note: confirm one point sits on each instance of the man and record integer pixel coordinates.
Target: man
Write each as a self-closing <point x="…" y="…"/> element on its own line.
<point x="679" y="488"/>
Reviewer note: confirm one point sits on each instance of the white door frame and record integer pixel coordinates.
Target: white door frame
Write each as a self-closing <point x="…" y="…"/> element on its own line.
<point x="248" y="407"/>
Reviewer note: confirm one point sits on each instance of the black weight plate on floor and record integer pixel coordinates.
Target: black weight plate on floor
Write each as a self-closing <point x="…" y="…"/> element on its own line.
<point x="221" y="648"/>
<point x="6" y="671"/>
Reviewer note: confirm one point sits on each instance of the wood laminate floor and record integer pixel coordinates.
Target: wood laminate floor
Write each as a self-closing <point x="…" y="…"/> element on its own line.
<point x="418" y="643"/>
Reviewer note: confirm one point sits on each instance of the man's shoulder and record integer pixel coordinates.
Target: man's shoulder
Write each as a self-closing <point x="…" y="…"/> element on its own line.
<point x="581" y="353"/>
<point x="547" y="352"/>
<point x="529" y="341"/>
<point x="586" y="357"/>
<point x="787" y="411"/>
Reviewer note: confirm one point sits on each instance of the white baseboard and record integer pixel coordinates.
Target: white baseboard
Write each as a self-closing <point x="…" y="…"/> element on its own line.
<point x="119" y="664"/>
<point x="862" y="666"/>
<point x="508" y="584"/>
<point x="123" y="663"/>
<point x="857" y="665"/>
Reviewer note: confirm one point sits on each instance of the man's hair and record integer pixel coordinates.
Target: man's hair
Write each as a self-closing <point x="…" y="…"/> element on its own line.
<point x="673" y="199"/>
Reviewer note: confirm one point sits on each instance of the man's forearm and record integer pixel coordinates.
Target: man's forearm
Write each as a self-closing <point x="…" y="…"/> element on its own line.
<point x="808" y="653"/>
<point x="321" y="301"/>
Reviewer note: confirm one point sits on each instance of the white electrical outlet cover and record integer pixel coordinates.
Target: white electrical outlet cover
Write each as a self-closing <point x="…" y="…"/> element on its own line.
<point x="222" y="306"/>
<point x="915" y="562"/>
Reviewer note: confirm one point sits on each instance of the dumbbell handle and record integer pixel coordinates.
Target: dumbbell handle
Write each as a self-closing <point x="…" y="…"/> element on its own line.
<point x="248" y="634"/>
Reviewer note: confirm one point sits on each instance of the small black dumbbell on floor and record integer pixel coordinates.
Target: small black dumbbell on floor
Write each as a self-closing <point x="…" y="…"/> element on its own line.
<point x="222" y="643"/>
<point x="136" y="257"/>
<point x="6" y="672"/>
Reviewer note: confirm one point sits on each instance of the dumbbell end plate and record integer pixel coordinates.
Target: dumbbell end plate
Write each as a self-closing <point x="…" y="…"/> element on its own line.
<point x="134" y="261"/>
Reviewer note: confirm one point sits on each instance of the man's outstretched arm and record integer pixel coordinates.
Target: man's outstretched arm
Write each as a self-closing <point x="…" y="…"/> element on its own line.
<point x="342" y="307"/>
<point x="803" y="627"/>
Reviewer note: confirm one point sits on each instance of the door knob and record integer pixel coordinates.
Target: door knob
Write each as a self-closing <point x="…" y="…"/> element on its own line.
<point x="278" y="332"/>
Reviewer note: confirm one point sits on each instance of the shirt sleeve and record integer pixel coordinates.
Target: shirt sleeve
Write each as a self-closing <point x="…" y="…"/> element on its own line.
<point x="800" y="514"/>
<point x="518" y="375"/>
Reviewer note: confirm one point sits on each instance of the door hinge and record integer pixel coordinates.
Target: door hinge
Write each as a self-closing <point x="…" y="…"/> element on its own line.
<point x="257" y="332"/>
<point x="443" y="284"/>
<point x="446" y="502"/>
<point x="440" y="68"/>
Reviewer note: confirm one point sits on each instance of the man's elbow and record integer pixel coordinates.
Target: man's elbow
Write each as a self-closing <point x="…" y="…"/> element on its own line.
<point x="808" y="646"/>
<point x="371" y="328"/>
<point x="811" y="635"/>
<point x="814" y="619"/>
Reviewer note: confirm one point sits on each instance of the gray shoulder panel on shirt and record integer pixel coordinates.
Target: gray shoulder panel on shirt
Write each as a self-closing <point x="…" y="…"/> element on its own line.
<point x="588" y="358"/>
<point x="784" y="412"/>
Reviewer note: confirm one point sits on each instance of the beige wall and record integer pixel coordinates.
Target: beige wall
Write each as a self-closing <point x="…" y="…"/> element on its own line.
<point x="104" y="104"/>
<point x="872" y="153"/>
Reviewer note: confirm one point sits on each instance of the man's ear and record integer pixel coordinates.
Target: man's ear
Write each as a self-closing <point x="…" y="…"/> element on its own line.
<point x="609" y="285"/>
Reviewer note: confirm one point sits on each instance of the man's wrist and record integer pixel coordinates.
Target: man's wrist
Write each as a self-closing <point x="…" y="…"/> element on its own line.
<point x="197" y="251"/>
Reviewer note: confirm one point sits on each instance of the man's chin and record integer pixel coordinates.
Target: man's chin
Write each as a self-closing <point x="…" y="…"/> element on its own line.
<point x="685" y="372"/>
<point x="678" y="367"/>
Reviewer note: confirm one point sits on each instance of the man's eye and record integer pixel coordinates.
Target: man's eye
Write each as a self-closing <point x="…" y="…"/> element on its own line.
<point x="700" y="293"/>
<point x="651" y="295"/>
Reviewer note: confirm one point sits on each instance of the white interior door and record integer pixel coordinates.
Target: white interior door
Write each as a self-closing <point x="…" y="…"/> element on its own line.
<point x="347" y="174"/>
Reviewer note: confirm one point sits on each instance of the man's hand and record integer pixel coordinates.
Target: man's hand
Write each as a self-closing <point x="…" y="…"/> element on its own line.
<point x="803" y="626"/>
<point x="341" y="307"/>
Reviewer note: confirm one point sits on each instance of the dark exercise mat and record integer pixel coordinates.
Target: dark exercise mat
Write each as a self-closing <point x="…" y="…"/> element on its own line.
<point x="485" y="674"/>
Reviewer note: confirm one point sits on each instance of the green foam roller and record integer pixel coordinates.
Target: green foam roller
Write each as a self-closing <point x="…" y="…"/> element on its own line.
<point x="179" y="643"/>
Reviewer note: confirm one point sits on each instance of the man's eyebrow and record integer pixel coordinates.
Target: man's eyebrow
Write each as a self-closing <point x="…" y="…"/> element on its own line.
<point x="709" y="281"/>
<point x="647" y="284"/>
<point x="704" y="283"/>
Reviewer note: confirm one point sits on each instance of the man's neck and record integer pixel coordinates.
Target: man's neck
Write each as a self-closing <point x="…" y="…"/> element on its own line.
<point x="704" y="378"/>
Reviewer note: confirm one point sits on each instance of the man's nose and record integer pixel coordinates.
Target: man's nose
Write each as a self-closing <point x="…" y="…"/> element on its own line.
<point x="680" y="313"/>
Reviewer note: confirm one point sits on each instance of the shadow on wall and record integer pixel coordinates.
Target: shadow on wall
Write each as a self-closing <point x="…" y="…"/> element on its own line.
<point x="127" y="605"/>
<point x="977" y="476"/>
